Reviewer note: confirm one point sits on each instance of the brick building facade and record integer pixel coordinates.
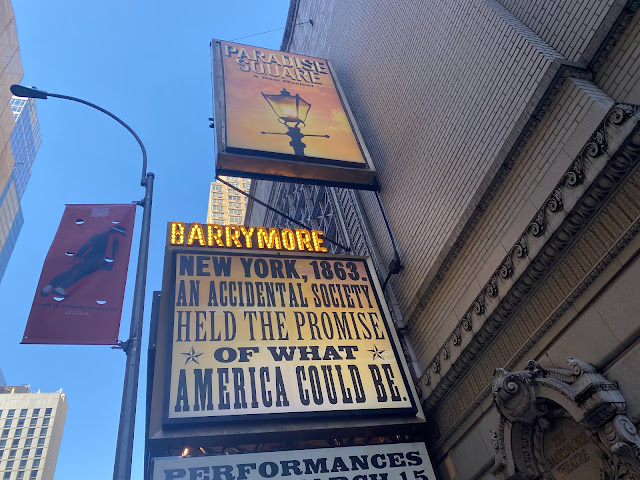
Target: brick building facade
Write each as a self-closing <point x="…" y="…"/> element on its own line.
<point x="506" y="140"/>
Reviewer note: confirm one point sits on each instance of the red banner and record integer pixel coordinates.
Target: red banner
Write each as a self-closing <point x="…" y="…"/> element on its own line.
<point x="81" y="288"/>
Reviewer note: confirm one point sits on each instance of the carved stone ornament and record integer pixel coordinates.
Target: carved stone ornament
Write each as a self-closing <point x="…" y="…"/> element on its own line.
<point x="562" y="423"/>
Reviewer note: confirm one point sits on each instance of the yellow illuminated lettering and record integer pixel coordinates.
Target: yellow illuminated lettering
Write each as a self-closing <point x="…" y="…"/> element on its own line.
<point x="318" y="241"/>
<point x="177" y="233"/>
<point x="288" y="239"/>
<point x="214" y="236"/>
<point x="271" y="239"/>
<point x="272" y="59"/>
<point x="257" y="54"/>
<point x="286" y="72"/>
<point x="243" y="66"/>
<point x="232" y="237"/>
<point x="196" y="232"/>
<point x="228" y="50"/>
<point x="247" y="235"/>
<point x="304" y="240"/>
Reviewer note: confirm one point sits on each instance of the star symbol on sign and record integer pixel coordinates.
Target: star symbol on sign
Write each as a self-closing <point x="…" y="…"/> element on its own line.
<point x="192" y="356"/>
<point x="376" y="353"/>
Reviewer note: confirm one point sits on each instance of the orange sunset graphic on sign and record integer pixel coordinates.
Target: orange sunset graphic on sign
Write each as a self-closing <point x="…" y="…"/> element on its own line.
<point x="284" y="103"/>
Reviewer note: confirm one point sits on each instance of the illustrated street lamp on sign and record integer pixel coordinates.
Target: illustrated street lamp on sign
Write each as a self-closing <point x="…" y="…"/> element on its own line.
<point x="291" y="111"/>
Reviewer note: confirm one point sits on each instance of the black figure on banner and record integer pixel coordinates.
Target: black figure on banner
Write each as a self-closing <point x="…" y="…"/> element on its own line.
<point x="91" y="257"/>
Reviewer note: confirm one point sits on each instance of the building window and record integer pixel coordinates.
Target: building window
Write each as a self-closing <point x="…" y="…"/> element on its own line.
<point x="235" y="219"/>
<point x="1" y="453"/>
<point x="9" y="464"/>
<point x="47" y="412"/>
<point x="11" y="413"/>
<point x="41" y="442"/>
<point x="235" y="212"/>
<point x="27" y="442"/>
<point x="235" y="205"/>
<point x="3" y="443"/>
<point x="23" y="413"/>
<point x="20" y="423"/>
<point x="5" y="433"/>
<point x="15" y="442"/>
<point x="12" y="453"/>
<point x="18" y="432"/>
<point x="38" y="452"/>
<point x="43" y="432"/>
<point x="20" y="475"/>
<point x="234" y="198"/>
<point x="25" y="453"/>
<point x="45" y="422"/>
<point x="31" y="432"/>
<point x="6" y="476"/>
<point x="34" y="422"/>
<point x="36" y="463"/>
<point x="36" y="412"/>
<point x="7" y="423"/>
<point x="217" y="215"/>
<point x="216" y="201"/>
<point x="23" y="464"/>
<point x="217" y="207"/>
<point x="33" y="475"/>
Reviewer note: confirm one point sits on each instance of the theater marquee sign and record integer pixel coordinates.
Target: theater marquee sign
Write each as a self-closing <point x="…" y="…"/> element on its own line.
<point x="268" y="333"/>
<point x="408" y="461"/>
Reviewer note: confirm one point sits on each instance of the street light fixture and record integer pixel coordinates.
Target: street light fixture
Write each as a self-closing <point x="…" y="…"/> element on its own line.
<point x="131" y="347"/>
<point x="292" y="111"/>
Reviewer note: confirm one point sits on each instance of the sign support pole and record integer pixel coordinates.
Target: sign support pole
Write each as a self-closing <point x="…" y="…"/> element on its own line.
<point x="124" y="445"/>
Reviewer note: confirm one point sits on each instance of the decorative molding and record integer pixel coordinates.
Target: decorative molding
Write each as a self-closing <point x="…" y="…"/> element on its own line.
<point x="563" y="73"/>
<point x="456" y="336"/>
<point x="446" y="350"/>
<point x="467" y="321"/>
<point x="530" y="400"/>
<point x="613" y="37"/>
<point x="610" y="176"/>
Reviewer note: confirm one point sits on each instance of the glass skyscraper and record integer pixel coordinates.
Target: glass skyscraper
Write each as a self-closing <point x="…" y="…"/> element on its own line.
<point x="25" y="140"/>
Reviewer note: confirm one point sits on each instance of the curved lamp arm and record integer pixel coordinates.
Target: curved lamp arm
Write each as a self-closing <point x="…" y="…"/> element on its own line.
<point x="32" y="92"/>
<point x="124" y="445"/>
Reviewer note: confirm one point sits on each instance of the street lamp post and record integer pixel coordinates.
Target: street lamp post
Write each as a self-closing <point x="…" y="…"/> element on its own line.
<point x="292" y="111"/>
<point x="131" y="347"/>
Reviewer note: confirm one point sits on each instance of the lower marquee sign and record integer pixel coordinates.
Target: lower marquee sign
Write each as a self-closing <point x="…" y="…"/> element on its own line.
<point x="402" y="461"/>
<point x="282" y="333"/>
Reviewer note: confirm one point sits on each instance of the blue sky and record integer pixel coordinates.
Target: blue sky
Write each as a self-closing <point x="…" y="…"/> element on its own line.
<point x="149" y="63"/>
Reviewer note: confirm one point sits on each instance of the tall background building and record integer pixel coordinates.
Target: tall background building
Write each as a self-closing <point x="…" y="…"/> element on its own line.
<point x="25" y="140"/>
<point x="19" y="137"/>
<point x="506" y="139"/>
<point x="31" y="425"/>
<point x="226" y="206"/>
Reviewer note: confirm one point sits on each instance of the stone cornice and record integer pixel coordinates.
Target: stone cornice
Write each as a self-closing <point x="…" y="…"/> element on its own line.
<point x="442" y="266"/>
<point x="546" y="241"/>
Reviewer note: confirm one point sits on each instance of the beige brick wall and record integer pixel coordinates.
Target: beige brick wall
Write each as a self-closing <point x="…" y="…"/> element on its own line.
<point x="436" y="100"/>
<point x="568" y="26"/>
<point x="573" y="117"/>
<point x="619" y="76"/>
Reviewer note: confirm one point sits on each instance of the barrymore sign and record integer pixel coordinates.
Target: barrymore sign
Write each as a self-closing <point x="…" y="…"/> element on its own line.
<point x="408" y="461"/>
<point x="258" y="333"/>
